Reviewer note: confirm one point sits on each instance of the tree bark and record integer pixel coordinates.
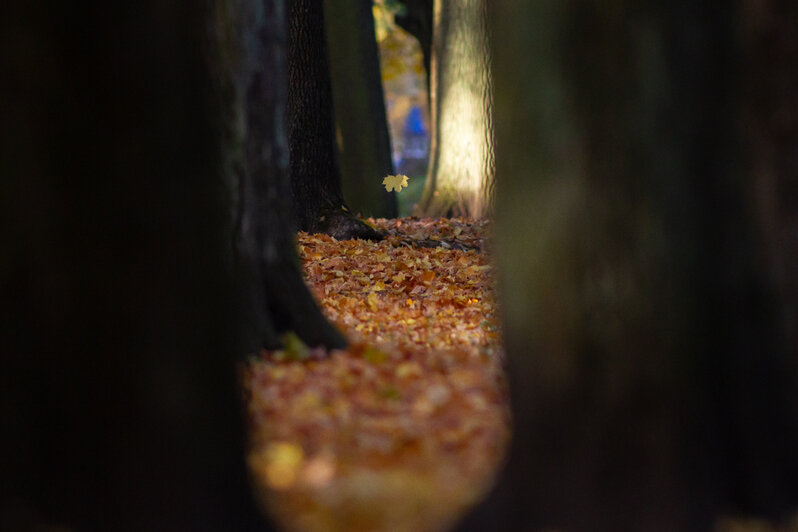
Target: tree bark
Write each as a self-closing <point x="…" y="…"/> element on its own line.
<point x="252" y="86"/>
<point x="318" y="201"/>
<point x="461" y="167"/>
<point x="652" y="376"/>
<point x="364" y="145"/>
<point x="119" y="405"/>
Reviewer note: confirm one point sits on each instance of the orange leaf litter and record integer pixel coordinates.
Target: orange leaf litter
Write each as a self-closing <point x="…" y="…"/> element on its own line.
<point x="405" y="428"/>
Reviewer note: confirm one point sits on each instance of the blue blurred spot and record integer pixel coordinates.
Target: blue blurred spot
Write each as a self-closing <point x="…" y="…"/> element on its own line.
<point x="414" y="123"/>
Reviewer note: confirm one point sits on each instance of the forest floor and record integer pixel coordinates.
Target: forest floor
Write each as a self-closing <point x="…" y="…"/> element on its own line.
<point x="404" y="429"/>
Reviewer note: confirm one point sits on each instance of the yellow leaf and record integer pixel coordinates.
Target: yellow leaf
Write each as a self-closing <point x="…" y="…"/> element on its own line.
<point x="372" y="301"/>
<point x="395" y="182"/>
<point x="379" y="286"/>
<point x="283" y="461"/>
<point x="293" y="346"/>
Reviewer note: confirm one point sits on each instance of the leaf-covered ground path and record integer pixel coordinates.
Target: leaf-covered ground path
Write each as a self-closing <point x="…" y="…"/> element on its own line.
<point x="405" y="428"/>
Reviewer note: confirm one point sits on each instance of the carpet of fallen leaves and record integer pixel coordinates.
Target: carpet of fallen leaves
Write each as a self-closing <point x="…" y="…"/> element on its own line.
<point x="405" y="428"/>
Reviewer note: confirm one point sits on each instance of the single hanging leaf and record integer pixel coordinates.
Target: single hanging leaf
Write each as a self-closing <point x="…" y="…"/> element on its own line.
<point x="395" y="182"/>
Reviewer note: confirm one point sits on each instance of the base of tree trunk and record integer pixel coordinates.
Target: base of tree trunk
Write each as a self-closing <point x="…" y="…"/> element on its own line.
<point x="293" y="309"/>
<point x="342" y="225"/>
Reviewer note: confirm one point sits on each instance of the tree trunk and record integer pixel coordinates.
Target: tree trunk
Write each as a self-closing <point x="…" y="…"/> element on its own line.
<point x="315" y="178"/>
<point x="461" y="168"/>
<point x="364" y="145"/>
<point x="770" y="123"/>
<point x="653" y="382"/>
<point x="119" y="405"/>
<point x="251" y="64"/>
<point x="417" y="21"/>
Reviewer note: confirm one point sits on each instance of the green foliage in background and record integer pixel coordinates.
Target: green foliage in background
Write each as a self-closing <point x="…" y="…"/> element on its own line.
<point x="410" y="196"/>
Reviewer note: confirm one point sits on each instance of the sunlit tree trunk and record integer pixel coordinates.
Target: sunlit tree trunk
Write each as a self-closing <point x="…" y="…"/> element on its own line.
<point x="652" y="365"/>
<point x="460" y="175"/>
<point x="364" y="144"/>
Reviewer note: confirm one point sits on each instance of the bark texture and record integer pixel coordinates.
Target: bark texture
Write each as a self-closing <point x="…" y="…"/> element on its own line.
<point x="252" y="87"/>
<point x="119" y="408"/>
<point x="364" y="144"/>
<point x="461" y="168"/>
<point x="315" y="178"/>
<point x="647" y="337"/>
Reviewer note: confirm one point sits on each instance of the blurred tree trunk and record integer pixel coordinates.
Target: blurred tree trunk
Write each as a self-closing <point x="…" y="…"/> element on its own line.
<point x="119" y="407"/>
<point x="251" y="74"/>
<point x="318" y="201"/>
<point x="642" y="244"/>
<point x="417" y="21"/>
<point x="770" y="124"/>
<point x="460" y="175"/>
<point x="364" y="145"/>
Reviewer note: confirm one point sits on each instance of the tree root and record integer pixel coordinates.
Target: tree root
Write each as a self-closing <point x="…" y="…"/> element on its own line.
<point x="343" y="225"/>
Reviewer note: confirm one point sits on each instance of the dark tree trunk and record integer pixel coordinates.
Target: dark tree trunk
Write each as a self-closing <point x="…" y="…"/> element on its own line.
<point x="770" y="123"/>
<point x="417" y="21"/>
<point x="252" y="73"/>
<point x="315" y="178"/>
<point x="119" y="408"/>
<point x="364" y="145"/>
<point x="460" y="175"/>
<point x="652" y="365"/>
